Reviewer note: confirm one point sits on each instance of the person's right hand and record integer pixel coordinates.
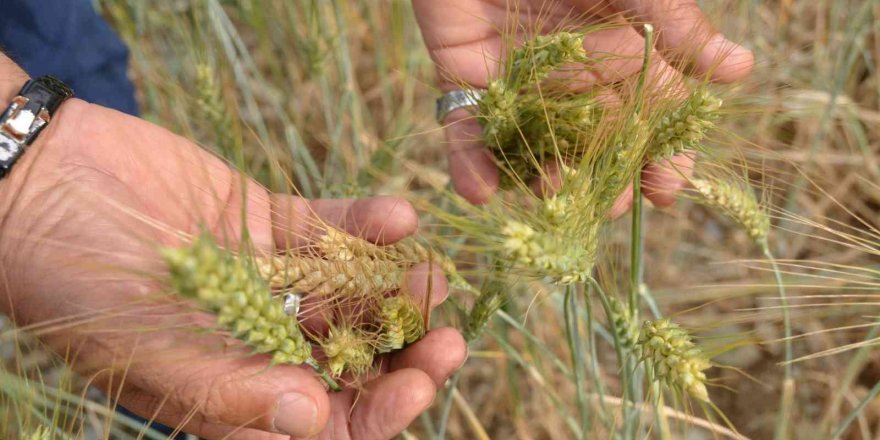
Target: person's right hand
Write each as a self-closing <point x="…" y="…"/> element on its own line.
<point x="81" y="216"/>
<point x="464" y="38"/>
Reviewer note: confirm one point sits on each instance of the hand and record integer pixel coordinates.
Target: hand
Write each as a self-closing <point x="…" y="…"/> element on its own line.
<point x="83" y="213"/>
<point x="463" y="38"/>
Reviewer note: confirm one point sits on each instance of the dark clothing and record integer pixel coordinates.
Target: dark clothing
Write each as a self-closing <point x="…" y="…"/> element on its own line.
<point x="69" y="40"/>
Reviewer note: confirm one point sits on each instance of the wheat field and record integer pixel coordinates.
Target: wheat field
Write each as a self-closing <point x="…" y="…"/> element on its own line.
<point x="745" y="310"/>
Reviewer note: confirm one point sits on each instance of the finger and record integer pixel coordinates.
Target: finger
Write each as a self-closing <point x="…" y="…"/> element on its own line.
<point x="683" y="30"/>
<point x="620" y="55"/>
<point x="438" y="354"/>
<point x="661" y="181"/>
<point x="471" y="164"/>
<point x="550" y="181"/>
<point x="297" y="222"/>
<point x="427" y="283"/>
<point x="388" y="405"/>
<point x="190" y="384"/>
<point x="622" y="204"/>
<point x="466" y="56"/>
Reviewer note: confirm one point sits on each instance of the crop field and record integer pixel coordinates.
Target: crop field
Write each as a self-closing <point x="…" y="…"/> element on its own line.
<point x="595" y="302"/>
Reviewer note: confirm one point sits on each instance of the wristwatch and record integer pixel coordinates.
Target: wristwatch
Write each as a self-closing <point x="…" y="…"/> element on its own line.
<point x="28" y="114"/>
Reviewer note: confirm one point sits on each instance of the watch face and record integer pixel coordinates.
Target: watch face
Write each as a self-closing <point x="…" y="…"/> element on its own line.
<point x="9" y="149"/>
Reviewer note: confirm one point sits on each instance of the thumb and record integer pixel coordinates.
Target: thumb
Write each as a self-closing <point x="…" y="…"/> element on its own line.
<point x="683" y="29"/>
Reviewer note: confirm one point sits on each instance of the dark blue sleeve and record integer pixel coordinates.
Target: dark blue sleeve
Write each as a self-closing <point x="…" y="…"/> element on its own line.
<point x="69" y="40"/>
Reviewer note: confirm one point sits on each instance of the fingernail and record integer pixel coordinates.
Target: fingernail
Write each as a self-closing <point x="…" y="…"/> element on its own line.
<point x="295" y="415"/>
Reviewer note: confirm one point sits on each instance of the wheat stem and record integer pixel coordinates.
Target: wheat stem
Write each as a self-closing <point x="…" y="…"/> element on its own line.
<point x="636" y="247"/>
<point x="447" y="406"/>
<point x="782" y="426"/>
<point x="594" y="356"/>
<point x="853" y="369"/>
<point x="841" y="428"/>
<point x="628" y="390"/>
<point x="577" y="356"/>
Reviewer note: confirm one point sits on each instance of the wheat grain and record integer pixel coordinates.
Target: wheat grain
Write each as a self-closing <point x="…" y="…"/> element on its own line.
<point x="212" y="108"/>
<point x="493" y="294"/>
<point x="541" y="55"/>
<point x="318" y="276"/>
<point x="524" y="126"/>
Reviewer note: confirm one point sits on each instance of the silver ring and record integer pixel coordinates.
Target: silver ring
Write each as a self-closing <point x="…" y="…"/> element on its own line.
<point x="292" y="301"/>
<point x="456" y="99"/>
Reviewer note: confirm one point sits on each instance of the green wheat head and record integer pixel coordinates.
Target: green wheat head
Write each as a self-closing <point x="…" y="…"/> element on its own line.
<point x="233" y="289"/>
<point x="348" y="349"/>
<point x="673" y="358"/>
<point x="400" y="323"/>
<point x="737" y="202"/>
<point x="624" y="326"/>
<point x="524" y="126"/>
<point x="685" y="127"/>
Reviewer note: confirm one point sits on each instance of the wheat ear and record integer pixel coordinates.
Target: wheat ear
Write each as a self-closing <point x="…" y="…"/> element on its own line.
<point x="348" y="349"/>
<point x="624" y="326"/>
<point x="233" y="289"/>
<point x="684" y="128"/>
<point x="673" y="358"/>
<point x="401" y="323"/>
<point x="738" y="203"/>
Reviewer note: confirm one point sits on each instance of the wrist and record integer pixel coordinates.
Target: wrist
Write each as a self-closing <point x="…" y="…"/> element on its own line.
<point x="27" y="123"/>
<point x="11" y="80"/>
